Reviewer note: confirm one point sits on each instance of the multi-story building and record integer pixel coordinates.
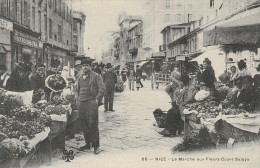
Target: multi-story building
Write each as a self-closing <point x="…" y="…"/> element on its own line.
<point x="161" y="13"/>
<point x="58" y="40"/>
<point x="78" y="32"/>
<point x="24" y="41"/>
<point x="135" y="40"/>
<point x="235" y="28"/>
<point x="126" y="22"/>
<point x="36" y="31"/>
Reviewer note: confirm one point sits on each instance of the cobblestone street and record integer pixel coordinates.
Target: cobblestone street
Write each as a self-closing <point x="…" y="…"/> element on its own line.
<point x="129" y="136"/>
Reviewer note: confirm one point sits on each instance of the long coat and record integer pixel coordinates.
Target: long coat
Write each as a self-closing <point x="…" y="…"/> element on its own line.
<point x="110" y="79"/>
<point x="208" y="77"/>
<point x="17" y="84"/>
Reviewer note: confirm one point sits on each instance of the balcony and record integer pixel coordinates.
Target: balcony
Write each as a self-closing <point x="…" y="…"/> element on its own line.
<point x="133" y="50"/>
<point x="116" y="53"/>
<point x="162" y="47"/>
<point x="138" y="33"/>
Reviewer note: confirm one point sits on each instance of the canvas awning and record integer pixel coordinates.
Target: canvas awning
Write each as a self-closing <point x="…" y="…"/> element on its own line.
<point x="158" y="55"/>
<point x="243" y="31"/>
<point x="232" y="35"/>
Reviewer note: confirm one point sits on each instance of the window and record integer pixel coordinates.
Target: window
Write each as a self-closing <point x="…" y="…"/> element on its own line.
<point x="40" y="21"/>
<point x="50" y="28"/>
<point x="211" y="3"/>
<point x="178" y="17"/>
<point x="167" y="4"/>
<point x="45" y="26"/>
<point x="26" y="14"/>
<point x="189" y="17"/>
<point x="59" y="33"/>
<point x="55" y="5"/>
<point x="59" y="7"/>
<point x="50" y="3"/>
<point x="179" y="6"/>
<point x="190" y="6"/>
<point x="167" y="18"/>
<point x="33" y="18"/>
<point x="2" y="59"/>
<point x="13" y="9"/>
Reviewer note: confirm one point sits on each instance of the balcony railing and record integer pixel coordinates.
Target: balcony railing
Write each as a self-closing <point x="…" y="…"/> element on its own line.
<point x="133" y="50"/>
<point x="162" y="47"/>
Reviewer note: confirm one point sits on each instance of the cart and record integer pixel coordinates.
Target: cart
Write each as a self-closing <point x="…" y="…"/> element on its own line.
<point x="160" y="78"/>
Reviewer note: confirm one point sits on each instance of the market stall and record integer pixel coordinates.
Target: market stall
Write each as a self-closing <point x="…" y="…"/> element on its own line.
<point x="31" y="133"/>
<point x="226" y="124"/>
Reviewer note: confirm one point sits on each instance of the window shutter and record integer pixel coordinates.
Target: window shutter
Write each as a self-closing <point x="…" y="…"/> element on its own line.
<point x="23" y="7"/>
<point x="13" y="9"/>
<point x="28" y="14"/>
<point x="19" y="11"/>
<point x="4" y="8"/>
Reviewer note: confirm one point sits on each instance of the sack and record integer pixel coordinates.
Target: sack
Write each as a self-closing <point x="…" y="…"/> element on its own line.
<point x="202" y="95"/>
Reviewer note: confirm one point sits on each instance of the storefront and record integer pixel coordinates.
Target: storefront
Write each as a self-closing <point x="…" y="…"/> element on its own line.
<point x="25" y="44"/>
<point x="55" y="55"/>
<point x="5" y="43"/>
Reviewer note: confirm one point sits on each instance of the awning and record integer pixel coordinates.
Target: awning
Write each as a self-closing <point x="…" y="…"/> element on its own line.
<point x="188" y="56"/>
<point x="242" y="31"/>
<point x="142" y="63"/>
<point x="232" y="35"/>
<point x="158" y="55"/>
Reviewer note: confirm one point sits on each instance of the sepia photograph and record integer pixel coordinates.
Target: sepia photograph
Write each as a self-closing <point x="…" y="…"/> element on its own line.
<point x="129" y="83"/>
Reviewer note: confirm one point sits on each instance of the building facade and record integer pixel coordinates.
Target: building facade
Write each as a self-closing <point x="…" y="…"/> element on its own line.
<point x="126" y="22"/>
<point x="36" y="31"/>
<point x="161" y="13"/>
<point x="135" y="40"/>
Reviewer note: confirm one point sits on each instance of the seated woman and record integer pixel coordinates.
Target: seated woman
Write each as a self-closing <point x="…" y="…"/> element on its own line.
<point x="183" y="95"/>
<point x="244" y="97"/>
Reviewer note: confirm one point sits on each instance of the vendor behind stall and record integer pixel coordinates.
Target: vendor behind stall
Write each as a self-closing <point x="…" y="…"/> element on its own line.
<point x="19" y="80"/>
<point x="37" y="82"/>
<point x="244" y="97"/>
<point x="183" y="95"/>
<point x="208" y="76"/>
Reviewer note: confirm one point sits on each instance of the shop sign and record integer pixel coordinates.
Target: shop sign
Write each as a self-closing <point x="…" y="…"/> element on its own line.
<point x="26" y="39"/>
<point x="27" y="51"/>
<point x="5" y="25"/>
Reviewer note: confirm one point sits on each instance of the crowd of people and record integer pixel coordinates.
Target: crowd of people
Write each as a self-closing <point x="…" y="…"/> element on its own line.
<point x="242" y="91"/>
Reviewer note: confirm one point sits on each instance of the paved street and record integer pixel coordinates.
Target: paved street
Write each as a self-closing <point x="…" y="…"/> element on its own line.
<point x="128" y="136"/>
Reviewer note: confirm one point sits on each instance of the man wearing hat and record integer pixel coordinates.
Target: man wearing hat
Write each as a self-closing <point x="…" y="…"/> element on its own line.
<point x="19" y="79"/>
<point x="90" y="90"/>
<point x="4" y="76"/>
<point x="110" y="79"/>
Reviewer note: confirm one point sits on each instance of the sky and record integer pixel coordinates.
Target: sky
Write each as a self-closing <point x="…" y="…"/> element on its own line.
<point x="101" y="20"/>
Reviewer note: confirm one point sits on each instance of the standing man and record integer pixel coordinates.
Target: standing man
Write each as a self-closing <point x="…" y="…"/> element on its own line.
<point x="131" y="78"/>
<point x="110" y="79"/>
<point x="139" y="74"/>
<point x="90" y="90"/>
<point x="4" y="76"/>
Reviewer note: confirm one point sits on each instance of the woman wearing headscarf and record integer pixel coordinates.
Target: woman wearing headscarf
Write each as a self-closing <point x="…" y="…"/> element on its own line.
<point x="208" y="75"/>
